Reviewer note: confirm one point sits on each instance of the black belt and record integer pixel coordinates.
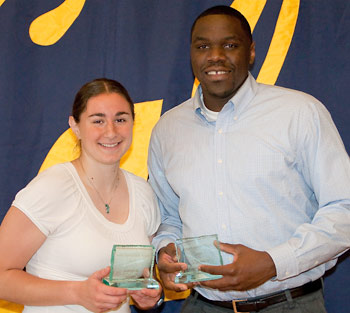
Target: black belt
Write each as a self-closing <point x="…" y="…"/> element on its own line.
<point x="259" y="303"/>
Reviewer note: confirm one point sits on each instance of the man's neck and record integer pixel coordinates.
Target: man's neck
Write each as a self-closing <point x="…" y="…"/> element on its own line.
<point x="215" y="104"/>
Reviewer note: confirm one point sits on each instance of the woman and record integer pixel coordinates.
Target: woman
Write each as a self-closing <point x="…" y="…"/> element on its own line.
<point x="62" y="226"/>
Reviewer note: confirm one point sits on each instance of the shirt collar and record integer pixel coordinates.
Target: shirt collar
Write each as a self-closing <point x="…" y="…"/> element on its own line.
<point x="240" y="100"/>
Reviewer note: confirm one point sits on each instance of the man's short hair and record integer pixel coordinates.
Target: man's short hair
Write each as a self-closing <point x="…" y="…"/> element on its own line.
<point x="226" y="10"/>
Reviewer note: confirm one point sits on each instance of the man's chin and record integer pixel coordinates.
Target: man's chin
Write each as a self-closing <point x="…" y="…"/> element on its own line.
<point x="222" y="93"/>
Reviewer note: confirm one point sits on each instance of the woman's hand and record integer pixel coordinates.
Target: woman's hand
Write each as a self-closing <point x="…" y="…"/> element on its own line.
<point x="98" y="297"/>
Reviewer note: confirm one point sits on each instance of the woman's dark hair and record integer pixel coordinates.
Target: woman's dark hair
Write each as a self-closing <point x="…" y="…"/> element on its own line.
<point x="97" y="87"/>
<point x="226" y="10"/>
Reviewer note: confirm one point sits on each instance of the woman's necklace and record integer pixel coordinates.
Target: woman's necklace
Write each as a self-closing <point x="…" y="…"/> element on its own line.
<point x="115" y="186"/>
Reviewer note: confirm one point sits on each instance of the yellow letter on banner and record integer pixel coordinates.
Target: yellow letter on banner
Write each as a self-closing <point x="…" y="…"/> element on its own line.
<point x="48" y="28"/>
<point x="280" y="42"/>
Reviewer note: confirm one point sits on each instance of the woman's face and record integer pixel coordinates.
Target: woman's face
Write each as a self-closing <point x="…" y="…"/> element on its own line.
<point x="105" y="128"/>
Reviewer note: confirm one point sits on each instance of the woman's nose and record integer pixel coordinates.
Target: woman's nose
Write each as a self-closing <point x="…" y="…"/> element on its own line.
<point x="111" y="129"/>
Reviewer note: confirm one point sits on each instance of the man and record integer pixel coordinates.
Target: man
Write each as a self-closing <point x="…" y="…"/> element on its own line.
<point x="261" y="166"/>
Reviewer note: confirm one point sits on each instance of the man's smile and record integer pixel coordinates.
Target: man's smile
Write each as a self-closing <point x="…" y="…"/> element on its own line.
<point x="217" y="72"/>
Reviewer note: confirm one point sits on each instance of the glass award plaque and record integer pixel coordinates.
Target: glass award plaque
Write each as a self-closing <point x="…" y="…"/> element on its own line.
<point x="132" y="267"/>
<point x="195" y="251"/>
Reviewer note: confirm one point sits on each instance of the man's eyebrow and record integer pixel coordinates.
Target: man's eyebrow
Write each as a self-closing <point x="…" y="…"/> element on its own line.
<point x="199" y="38"/>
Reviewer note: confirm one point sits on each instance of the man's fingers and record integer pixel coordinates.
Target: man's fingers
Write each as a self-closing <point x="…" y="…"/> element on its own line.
<point x="216" y="270"/>
<point x="214" y="284"/>
<point x="152" y="293"/>
<point x="115" y="291"/>
<point x="168" y="284"/>
<point x="222" y="284"/>
<point x="171" y="267"/>
<point x="192" y="285"/>
<point x="179" y="287"/>
<point x="226" y="247"/>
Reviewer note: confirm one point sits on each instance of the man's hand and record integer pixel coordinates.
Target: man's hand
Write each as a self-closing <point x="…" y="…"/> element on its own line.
<point x="168" y="268"/>
<point x="249" y="269"/>
<point x="145" y="299"/>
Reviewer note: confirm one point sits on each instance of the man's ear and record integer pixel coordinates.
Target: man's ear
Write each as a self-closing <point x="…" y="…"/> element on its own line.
<point x="74" y="126"/>
<point x="252" y="54"/>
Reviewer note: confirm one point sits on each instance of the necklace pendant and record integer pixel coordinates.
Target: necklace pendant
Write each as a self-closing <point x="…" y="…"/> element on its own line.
<point x="107" y="208"/>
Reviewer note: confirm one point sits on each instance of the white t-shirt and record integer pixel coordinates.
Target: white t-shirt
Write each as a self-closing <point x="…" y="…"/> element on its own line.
<point x="79" y="238"/>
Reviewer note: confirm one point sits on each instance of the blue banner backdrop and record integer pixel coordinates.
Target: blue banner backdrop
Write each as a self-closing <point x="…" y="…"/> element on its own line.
<point x="145" y="45"/>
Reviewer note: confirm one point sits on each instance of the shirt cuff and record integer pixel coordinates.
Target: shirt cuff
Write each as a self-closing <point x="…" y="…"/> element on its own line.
<point x="285" y="261"/>
<point x="159" y="244"/>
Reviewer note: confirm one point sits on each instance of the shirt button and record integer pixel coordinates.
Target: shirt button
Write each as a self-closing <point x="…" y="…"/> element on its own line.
<point x="220" y="131"/>
<point x="235" y="118"/>
<point x="219" y="161"/>
<point x="221" y="193"/>
<point x="223" y="226"/>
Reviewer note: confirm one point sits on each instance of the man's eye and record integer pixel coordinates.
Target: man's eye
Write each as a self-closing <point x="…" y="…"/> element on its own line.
<point x="97" y="121"/>
<point x="202" y="47"/>
<point x="120" y="120"/>
<point x="230" y="45"/>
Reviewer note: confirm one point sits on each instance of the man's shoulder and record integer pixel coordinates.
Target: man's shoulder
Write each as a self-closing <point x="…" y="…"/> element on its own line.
<point x="180" y="109"/>
<point x="174" y="121"/>
<point x="176" y="114"/>
<point x="286" y="93"/>
<point x="289" y="101"/>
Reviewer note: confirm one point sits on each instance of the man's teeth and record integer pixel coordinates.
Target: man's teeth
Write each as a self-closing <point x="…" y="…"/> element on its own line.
<point x="216" y="72"/>
<point x="109" y="145"/>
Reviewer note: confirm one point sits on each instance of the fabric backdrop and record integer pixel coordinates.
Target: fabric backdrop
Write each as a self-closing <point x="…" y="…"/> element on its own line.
<point x="48" y="49"/>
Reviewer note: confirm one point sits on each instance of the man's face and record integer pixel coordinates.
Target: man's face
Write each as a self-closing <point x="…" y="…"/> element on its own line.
<point x="221" y="53"/>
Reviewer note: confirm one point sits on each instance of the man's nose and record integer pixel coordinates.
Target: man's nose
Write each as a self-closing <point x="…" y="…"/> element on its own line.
<point x="216" y="53"/>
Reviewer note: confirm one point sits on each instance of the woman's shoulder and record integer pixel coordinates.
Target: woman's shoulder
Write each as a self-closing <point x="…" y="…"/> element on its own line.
<point x="145" y="201"/>
<point x="52" y="182"/>
<point x="135" y="179"/>
<point x="57" y="173"/>
<point x="139" y="186"/>
<point x="50" y="198"/>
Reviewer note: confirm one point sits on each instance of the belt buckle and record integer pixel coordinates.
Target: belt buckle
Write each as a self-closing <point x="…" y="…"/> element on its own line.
<point x="235" y="306"/>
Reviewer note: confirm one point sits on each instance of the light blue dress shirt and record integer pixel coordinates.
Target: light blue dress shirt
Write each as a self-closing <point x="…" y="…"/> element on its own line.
<point x="270" y="173"/>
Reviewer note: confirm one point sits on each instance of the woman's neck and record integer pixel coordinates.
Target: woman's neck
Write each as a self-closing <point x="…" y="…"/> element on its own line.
<point x="102" y="175"/>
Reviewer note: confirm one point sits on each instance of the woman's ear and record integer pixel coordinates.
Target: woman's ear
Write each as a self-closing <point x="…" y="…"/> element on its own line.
<point x="74" y="126"/>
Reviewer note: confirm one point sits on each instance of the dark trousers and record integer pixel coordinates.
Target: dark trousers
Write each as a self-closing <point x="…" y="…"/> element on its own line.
<point x="311" y="303"/>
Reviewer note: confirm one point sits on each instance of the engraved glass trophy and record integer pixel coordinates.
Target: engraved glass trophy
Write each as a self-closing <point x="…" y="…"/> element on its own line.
<point x="132" y="267"/>
<point x="195" y="251"/>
